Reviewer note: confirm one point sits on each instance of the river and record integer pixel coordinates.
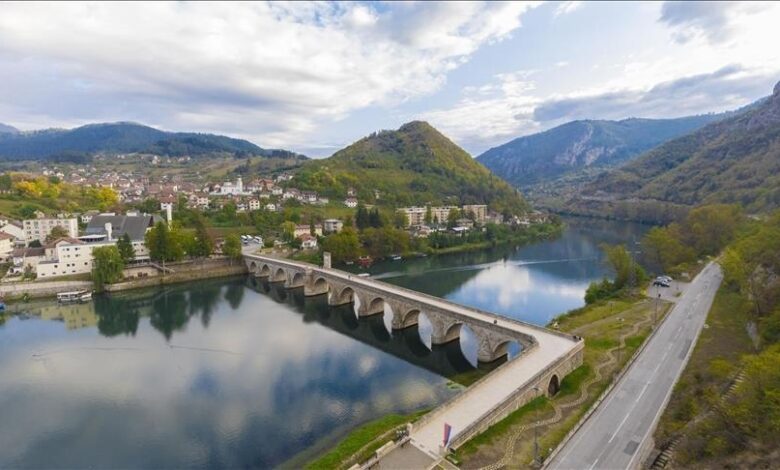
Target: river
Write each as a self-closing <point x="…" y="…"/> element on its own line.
<point x="241" y="373"/>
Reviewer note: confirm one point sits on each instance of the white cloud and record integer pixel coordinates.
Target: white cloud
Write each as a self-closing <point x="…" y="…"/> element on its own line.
<point x="564" y="8"/>
<point x="269" y="71"/>
<point x="714" y="21"/>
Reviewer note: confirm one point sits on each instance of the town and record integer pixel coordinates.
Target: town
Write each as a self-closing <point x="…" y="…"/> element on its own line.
<point x="53" y="244"/>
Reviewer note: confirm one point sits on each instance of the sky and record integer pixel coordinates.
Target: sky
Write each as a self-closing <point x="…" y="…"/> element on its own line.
<point x="315" y="77"/>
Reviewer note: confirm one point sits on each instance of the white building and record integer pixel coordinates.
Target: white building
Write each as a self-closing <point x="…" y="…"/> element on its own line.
<point x="270" y="207"/>
<point x="39" y="229"/>
<point x="332" y="226"/>
<point x="254" y="205"/>
<point x="351" y="202"/>
<point x="228" y="188"/>
<point x="440" y="214"/>
<point x="6" y="245"/>
<point x="302" y="229"/>
<point x="478" y="210"/>
<point x="69" y="257"/>
<point x="308" y="242"/>
<point x="14" y="230"/>
<point x="414" y="215"/>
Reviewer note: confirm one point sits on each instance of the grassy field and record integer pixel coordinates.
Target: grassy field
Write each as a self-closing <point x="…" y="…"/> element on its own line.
<point x="613" y="331"/>
<point x="362" y="442"/>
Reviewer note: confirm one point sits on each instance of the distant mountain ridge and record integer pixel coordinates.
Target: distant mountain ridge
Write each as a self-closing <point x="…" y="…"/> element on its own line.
<point x="585" y="144"/>
<point x="413" y="165"/>
<point x="120" y="137"/>
<point x="735" y="160"/>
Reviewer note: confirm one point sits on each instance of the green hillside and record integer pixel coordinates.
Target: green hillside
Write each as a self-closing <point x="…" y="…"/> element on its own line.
<point x="121" y="137"/>
<point x="735" y="160"/>
<point x="580" y="145"/>
<point x="414" y="165"/>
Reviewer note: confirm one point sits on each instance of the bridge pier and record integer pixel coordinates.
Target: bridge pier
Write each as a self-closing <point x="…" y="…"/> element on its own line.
<point x="444" y="329"/>
<point x="405" y="314"/>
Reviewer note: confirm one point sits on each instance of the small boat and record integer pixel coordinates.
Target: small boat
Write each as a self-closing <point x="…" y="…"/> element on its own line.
<point x="349" y="263"/>
<point x="364" y="275"/>
<point x="396" y="257"/>
<point x="74" y="296"/>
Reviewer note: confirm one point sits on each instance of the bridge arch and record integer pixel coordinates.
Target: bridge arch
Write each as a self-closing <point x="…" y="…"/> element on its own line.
<point x="554" y="386"/>
<point x="265" y="271"/>
<point x="505" y="350"/>
<point x="452" y="332"/>
<point x="409" y="318"/>
<point x="318" y="286"/>
<point x="253" y="267"/>
<point x="297" y="280"/>
<point x="278" y="275"/>
<point x="346" y="295"/>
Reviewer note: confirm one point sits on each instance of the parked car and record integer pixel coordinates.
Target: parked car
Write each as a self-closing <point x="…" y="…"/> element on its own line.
<point x="661" y="283"/>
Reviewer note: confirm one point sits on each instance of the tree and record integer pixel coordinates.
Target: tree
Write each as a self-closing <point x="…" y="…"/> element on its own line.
<point x="375" y="219"/>
<point x="343" y="246"/>
<point x="125" y="247"/>
<point x="232" y="247"/>
<point x="399" y="219"/>
<point x="627" y="271"/>
<point x="107" y="266"/>
<point x="163" y="244"/>
<point x="204" y="244"/>
<point x="288" y="231"/>
<point x="149" y="205"/>
<point x="362" y="218"/>
<point x="56" y="233"/>
<point x="428" y="215"/>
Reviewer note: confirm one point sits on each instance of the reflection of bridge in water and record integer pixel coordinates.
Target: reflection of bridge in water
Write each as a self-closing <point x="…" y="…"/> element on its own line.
<point x="547" y="356"/>
<point x="446" y="360"/>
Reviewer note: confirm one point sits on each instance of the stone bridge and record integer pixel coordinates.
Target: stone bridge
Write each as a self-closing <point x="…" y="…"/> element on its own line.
<point x="546" y="356"/>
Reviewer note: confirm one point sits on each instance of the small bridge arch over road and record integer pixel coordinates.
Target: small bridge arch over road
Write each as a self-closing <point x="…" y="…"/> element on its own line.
<point x="547" y="356"/>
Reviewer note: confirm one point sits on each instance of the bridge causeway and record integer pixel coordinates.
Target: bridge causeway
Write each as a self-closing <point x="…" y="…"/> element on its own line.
<point x="546" y="357"/>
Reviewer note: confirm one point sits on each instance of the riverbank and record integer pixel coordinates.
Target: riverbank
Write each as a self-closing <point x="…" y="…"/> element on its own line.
<point x="134" y="278"/>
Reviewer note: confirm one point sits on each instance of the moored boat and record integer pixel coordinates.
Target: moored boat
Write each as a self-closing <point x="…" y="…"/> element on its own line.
<point x="74" y="296"/>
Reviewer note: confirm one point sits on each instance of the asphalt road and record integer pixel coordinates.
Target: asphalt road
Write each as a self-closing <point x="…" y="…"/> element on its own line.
<point x="612" y="438"/>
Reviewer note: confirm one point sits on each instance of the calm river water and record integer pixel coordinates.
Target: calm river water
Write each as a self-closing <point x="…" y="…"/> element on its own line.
<point x="240" y="373"/>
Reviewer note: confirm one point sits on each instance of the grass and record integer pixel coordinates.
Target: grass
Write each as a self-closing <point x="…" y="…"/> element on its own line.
<point x="500" y="430"/>
<point x="722" y="341"/>
<point x="601" y="326"/>
<point x="359" y="438"/>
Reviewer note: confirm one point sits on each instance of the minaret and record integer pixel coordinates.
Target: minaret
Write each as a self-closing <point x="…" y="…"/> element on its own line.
<point x="239" y="185"/>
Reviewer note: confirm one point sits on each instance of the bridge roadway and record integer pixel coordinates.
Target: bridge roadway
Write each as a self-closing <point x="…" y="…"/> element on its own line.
<point x="547" y="356"/>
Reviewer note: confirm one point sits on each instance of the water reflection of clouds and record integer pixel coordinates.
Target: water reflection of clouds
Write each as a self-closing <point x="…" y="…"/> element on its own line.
<point x="515" y="288"/>
<point x="290" y="382"/>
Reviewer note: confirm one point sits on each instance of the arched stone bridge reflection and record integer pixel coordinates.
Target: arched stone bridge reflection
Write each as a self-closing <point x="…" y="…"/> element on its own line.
<point x="547" y="356"/>
<point x="446" y="360"/>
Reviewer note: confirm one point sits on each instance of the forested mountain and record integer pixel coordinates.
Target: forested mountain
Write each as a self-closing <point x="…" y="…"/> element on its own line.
<point x="579" y="145"/>
<point x="414" y="165"/>
<point x="735" y="160"/>
<point x="120" y="137"/>
<point x="6" y="129"/>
